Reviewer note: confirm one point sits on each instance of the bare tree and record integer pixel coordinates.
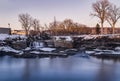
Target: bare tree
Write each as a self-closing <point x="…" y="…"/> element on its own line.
<point x="68" y="27"/>
<point x="54" y="26"/>
<point x="46" y="27"/>
<point x="113" y="16"/>
<point x="36" y="25"/>
<point x="100" y="8"/>
<point x="26" y="22"/>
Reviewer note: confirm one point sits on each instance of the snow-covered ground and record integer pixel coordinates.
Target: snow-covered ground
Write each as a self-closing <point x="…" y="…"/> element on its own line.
<point x="117" y="48"/>
<point x="90" y="52"/>
<point x="27" y="49"/>
<point x="5" y="36"/>
<point x="47" y="49"/>
<point x="85" y="37"/>
<point x="66" y="38"/>
<point x="99" y="51"/>
<point x="35" y="52"/>
<point x="9" y="49"/>
<point x="40" y="45"/>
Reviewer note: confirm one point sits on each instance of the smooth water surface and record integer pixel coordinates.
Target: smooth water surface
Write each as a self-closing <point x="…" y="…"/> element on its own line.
<point x="73" y="68"/>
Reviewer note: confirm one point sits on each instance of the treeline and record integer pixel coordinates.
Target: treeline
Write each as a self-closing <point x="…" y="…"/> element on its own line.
<point x="32" y="26"/>
<point x="68" y="27"/>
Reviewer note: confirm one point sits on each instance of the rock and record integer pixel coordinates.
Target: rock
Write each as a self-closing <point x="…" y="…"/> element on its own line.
<point x="19" y="45"/>
<point x="117" y="48"/>
<point x="71" y="51"/>
<point x="29" y="56"/>
<point x="2" y="53"/>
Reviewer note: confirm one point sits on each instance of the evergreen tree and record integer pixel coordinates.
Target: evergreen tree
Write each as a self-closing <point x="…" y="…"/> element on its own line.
<point x="97" y="29"/>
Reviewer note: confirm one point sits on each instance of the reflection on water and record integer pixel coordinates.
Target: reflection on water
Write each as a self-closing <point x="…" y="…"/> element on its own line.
<point x="73" y="68"/>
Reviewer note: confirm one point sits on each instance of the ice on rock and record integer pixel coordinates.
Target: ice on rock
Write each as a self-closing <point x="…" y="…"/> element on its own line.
<point x="35" y="52"/>
<point x="117" y="48"/>
<point x="5" y="36"/>
<point x="8" y="49"/>
<point x="48" y="49"/>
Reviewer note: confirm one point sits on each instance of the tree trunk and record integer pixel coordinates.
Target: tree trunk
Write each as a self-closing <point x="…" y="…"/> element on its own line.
<point x="113" y="29"/>
<point x="26" y="32"/>
<point x="102" y="32"/>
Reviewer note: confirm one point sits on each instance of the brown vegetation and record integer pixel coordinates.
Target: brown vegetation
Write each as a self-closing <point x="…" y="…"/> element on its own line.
<point x="68" y="27"/>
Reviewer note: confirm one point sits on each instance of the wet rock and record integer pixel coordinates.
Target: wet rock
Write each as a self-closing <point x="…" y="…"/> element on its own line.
<point x="2" y="53"/>
<point x="103" y="42"/>
<point x="28" y="56"/>
<point x="109" y="56"/>
<point x="19" y="45"/>
<point x="71" y="51"/>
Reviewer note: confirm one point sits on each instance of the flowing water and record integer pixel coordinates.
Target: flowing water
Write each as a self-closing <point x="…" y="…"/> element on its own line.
<point x="73" y="68"/>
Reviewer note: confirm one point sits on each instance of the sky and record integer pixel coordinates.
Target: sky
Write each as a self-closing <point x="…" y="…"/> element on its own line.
<point x="45" y="10"/>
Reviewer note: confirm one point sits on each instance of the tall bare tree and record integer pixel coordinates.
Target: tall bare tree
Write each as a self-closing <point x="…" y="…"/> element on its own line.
<point x="26" y="22"/>
<point x="113" y="16"/>
<point x="36" y="25"/>
<point x="101" y="8"/>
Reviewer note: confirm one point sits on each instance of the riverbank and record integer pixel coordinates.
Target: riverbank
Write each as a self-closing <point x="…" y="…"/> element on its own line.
<point x="16" y="46"/>
<point x="37" y="53"/>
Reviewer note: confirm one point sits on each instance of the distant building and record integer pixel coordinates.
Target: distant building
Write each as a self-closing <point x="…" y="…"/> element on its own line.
<point x="18" y="32"/>
<point x="5" y="30"/>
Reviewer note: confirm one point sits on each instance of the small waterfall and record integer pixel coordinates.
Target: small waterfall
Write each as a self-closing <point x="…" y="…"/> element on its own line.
<point x="36" y="44"/>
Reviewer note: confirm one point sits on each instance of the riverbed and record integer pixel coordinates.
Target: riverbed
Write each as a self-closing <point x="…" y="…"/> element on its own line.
<point x="72" y="68"/>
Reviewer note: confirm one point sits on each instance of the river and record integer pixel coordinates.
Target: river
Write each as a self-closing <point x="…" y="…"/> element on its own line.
<point x="72" y="68"/>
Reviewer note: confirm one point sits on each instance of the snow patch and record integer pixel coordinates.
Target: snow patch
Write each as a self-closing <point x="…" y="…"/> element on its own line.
<point x="90" y="52"/>
<point x="8" y="49"/>
<point x="66" y="38"/>
<point x="117" y="48"/>
<point x="48" y="49"/>
<point x="27" y="49"/>
<point x="35" y="52"/>
<point x="5" y="36"/>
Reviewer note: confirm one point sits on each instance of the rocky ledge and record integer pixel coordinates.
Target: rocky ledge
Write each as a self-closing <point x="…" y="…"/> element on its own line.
<point x="37" y="53"/>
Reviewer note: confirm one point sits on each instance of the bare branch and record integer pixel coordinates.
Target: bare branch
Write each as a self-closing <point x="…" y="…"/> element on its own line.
<point x="26" y="22"/>
<point x="113" y="16"/>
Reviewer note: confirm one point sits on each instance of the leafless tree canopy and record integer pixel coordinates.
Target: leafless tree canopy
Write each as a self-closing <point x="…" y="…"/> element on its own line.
<point x="113" y="16"/>
<point x="68" y="27"/>
<point x="100" y="10"/>
<point x="36" y="25"/>
<point x="26" y="22"/>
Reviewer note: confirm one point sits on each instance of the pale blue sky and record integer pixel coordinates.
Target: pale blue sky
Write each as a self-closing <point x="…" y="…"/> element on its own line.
<point x="45" y="10"/>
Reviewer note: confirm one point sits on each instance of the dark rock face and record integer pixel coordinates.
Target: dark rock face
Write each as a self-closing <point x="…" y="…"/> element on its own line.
<point x="99" y="42"/>
<point x="108" y="56"/>
<point x="77" y="42"/>
<point x="59" y="52"/>
<point x="26" y="56"/>
<point x="19" y="45"/>
<point x="2" y="53"/>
